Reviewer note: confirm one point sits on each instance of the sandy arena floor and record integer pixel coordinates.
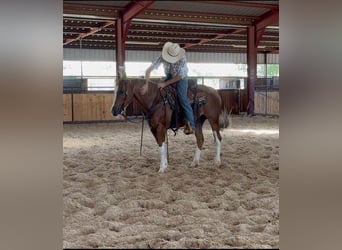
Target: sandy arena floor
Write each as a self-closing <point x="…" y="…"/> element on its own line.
<point x="115" y="198"/>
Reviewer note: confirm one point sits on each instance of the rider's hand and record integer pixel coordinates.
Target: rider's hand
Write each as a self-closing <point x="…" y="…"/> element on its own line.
<point x="161" y="85"/>
<point x="144" y="89"/>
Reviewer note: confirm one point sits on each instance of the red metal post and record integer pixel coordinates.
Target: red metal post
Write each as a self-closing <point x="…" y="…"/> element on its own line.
<point x="254" y="35"/>
<point x="251" y="67"/>
<point x="119" y="53"/>
<point x="122" y="27"/>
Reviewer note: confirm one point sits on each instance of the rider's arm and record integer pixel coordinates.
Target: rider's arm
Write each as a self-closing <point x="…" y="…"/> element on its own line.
<point x="148" y="73"/>
<point x="172" y="80"/>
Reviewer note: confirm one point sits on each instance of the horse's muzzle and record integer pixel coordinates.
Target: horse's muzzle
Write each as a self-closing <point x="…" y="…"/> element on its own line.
<point x="117" y="111"/>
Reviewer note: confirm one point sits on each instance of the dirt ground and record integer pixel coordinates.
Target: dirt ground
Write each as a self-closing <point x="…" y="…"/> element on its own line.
<point x="115" y="198"/>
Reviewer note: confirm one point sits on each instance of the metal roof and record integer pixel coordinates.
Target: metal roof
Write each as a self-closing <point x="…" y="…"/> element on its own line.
<point x="204" y="26"/>
<point x="208" y="7"/>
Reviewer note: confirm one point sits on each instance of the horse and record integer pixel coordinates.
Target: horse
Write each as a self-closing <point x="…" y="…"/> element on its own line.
<point x="159" y="113"/>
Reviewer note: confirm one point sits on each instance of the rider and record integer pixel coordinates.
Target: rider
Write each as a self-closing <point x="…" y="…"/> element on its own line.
<point x="176" y="70"/>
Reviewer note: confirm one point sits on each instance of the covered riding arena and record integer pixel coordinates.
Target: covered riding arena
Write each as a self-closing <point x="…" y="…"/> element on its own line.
<point x="113" y="195"/>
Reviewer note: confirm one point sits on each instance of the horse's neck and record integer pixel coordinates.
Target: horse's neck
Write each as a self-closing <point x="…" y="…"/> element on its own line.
<point x="150" y="99"/>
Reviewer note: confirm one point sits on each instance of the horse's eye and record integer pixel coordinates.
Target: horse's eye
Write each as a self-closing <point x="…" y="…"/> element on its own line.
<point x="121" y="92"/>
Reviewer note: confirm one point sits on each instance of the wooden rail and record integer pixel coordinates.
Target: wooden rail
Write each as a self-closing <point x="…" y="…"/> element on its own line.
<point x="266" y="102"/>
<point x="87" y="107"/>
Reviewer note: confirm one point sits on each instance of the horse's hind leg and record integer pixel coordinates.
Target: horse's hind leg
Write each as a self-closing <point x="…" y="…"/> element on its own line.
<point x="199" y="140"/>
<point x="214" y="123"/>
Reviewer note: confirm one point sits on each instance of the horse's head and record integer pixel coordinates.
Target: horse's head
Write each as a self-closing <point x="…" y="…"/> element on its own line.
<point x="123" y="96"/>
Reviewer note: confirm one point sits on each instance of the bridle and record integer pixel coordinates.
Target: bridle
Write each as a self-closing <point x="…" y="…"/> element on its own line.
<point x="123" y="92"/>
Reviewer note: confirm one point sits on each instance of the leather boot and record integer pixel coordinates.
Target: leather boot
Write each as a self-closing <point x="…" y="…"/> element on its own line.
<point x="188" y="129"/>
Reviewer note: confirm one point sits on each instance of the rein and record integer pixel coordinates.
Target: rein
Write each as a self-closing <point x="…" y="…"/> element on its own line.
<point x="132" y="119"/>
<point x="148" y="115"/>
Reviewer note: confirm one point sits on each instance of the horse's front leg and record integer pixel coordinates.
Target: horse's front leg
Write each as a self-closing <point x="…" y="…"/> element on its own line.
<point x="218" y="139"/>
<point x="199" y="140"/>
<point x="160" y="137"/>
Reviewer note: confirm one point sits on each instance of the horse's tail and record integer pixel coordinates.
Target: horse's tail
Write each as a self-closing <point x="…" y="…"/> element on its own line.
<point x="225" y="119"/>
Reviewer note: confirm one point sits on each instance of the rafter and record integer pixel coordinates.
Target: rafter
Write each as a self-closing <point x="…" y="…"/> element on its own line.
<point x="92" y="31"/>
<point x="199" y="48"/>
<point x="267" y="19"/>
<point x="96" y="11"/>
<point x="198" y="31"/>
<point x="134" y="8"/>
<point x="200" y="17"/>
<point x="243" y="4"/>
<point x="205" y="40"/>
<point x="179" y="28"/>
<point x="147" y="39"/>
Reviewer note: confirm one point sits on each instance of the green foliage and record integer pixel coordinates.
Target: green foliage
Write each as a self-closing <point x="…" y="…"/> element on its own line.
<point x="272" y="69"/>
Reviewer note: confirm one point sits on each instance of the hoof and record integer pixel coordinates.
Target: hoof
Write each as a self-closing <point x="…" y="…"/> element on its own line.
<point x="161" y="170"/>
<point x="217" y="163"/>
<point x="194" y="164"/>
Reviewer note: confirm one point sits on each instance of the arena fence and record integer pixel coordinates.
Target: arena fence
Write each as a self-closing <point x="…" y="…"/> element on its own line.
<point x="82" y="103"/>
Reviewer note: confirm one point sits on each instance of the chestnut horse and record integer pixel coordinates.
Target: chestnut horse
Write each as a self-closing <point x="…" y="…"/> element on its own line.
<point x="159" y="113"/>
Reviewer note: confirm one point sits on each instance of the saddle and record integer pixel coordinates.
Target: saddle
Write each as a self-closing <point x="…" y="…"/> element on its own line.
<point x="177" y="119"/>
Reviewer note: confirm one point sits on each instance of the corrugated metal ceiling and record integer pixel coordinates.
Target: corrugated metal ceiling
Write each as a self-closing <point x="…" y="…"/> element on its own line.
<point x="178" y="21"/>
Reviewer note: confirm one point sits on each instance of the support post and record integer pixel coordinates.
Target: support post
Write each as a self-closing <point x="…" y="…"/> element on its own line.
<point x="123" y="23"/>
<point x="120" y="50"/>
<point x="251" y="67"/>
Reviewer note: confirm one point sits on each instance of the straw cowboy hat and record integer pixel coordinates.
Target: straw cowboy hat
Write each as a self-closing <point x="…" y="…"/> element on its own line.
<point x="172" y="52"/>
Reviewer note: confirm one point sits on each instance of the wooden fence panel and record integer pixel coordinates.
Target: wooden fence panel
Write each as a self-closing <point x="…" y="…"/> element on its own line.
<point x="67" y="108"/>
<point x="260" y="102"/>
<point x="266" y="102"/>
<point x="96" y="106"/>
<point x="92" y="107"/>
<point x="233" y="99"/>
<point x="230" y="100"/>
<point x="273" y="102"/>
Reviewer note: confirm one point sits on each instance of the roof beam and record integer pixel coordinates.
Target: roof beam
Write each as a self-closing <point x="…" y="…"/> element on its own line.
<point x="92" y="31"/>
<point x="243" y="4"/>
<point x="186" y="33"/>
<point x="160" y="39"/>
<point x="90" y="10"/>
<point x="267" y="19"/>
<point x="177" y="28"/>
<point x="152" y="47"/>
<point x="197" y="17"/>
<point x="134" y="8"/>
<point x="205" y="40"/>
<point x="107" y="11"/>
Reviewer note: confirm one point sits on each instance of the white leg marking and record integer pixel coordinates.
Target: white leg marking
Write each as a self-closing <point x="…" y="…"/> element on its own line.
<point x="218" y="150"/>
<point x="163" y="158"/>
<point x="195" y="162"/>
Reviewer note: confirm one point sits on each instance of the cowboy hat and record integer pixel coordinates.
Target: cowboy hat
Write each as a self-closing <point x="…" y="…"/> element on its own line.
<point x="172" y="52"/>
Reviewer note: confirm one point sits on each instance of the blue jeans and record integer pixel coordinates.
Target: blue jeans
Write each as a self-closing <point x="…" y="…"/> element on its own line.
<point x="182" y="93"/>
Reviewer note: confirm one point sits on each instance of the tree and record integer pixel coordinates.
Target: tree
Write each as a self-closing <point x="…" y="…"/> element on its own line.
<point x="272" y="69"/>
